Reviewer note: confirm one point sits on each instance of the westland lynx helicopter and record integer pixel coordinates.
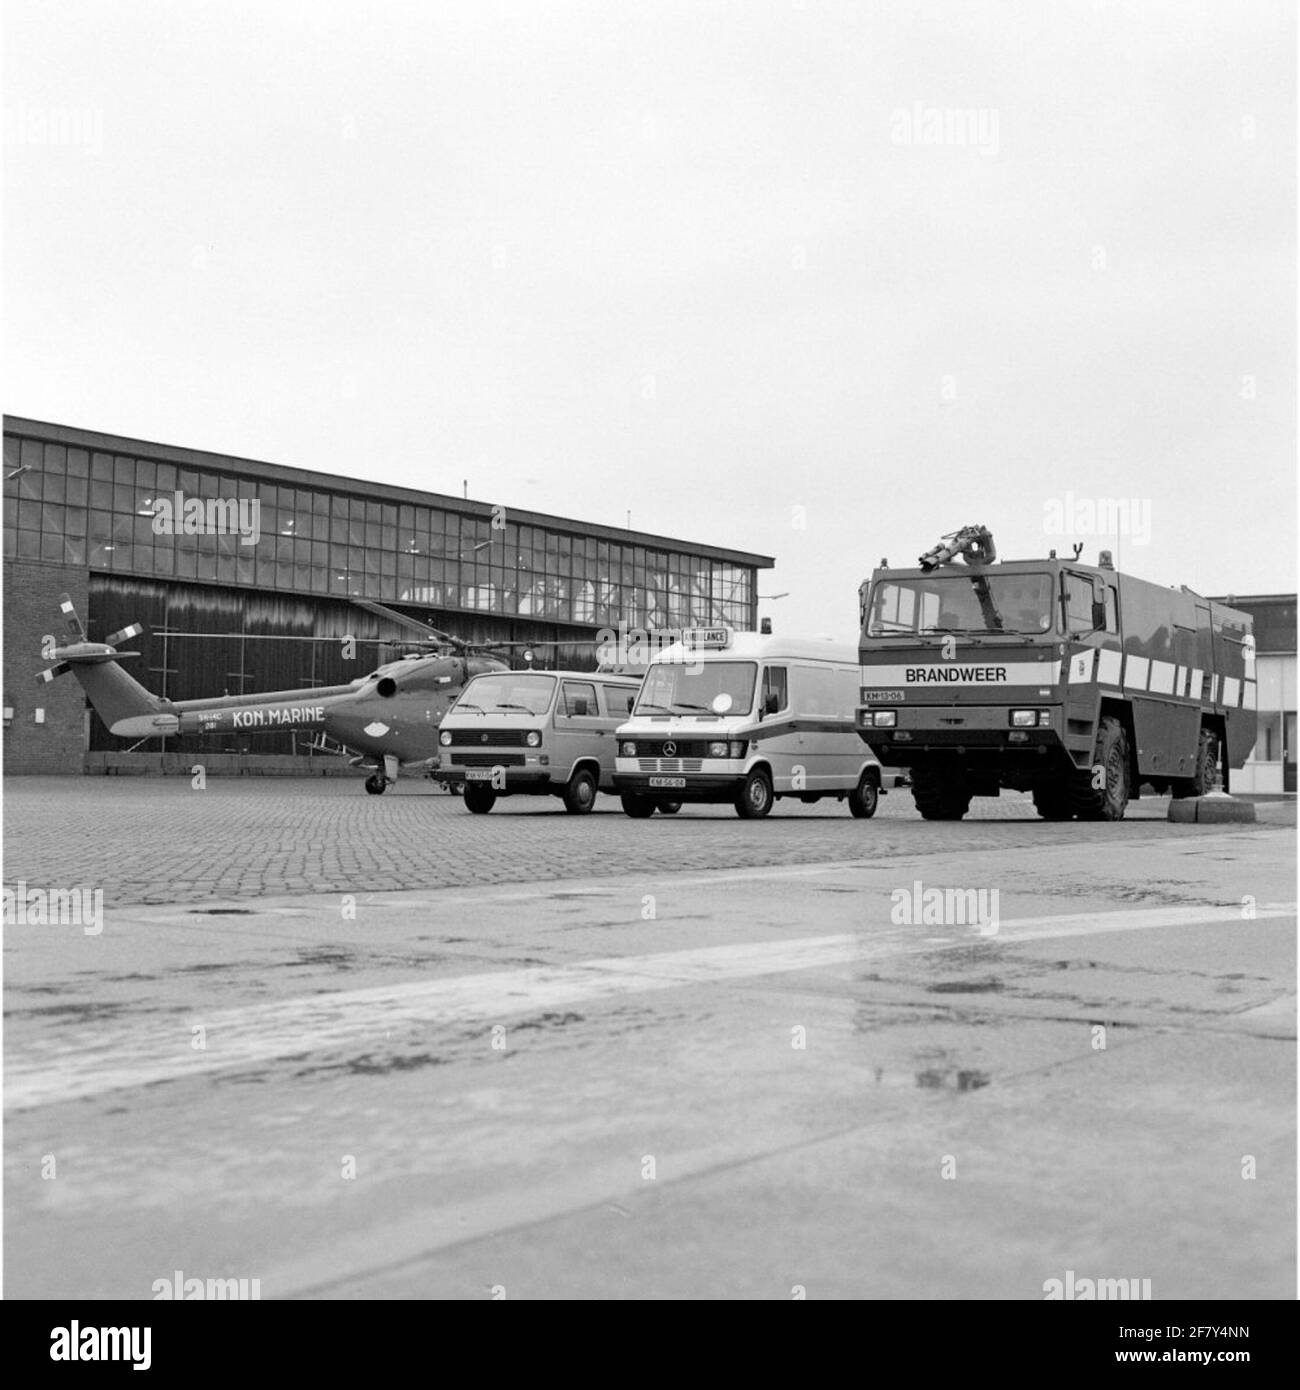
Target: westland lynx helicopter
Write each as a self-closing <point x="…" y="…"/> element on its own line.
<point x="389" y="718"/>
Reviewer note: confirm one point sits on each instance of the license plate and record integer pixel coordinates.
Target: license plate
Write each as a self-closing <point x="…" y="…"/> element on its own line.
<point x="478" y="774"/>
<point x="885" y="696"/>
<point x="668" y="781"/>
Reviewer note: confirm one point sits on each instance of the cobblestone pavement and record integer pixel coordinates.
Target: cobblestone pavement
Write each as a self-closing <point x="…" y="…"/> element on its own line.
<point x="160" y="841"/>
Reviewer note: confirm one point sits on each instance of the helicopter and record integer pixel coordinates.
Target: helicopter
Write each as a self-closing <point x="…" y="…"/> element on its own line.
<point x="388" y="718"/>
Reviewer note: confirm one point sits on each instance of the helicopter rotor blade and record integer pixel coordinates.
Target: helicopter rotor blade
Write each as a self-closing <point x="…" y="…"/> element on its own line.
<point x="425" y="630"/>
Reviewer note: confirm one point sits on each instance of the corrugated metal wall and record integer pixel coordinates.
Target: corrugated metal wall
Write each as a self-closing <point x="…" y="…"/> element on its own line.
<point x="184" y="668"/>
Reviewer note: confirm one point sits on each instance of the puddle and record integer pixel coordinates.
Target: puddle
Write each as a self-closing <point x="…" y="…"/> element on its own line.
<point x="966" y="987"/>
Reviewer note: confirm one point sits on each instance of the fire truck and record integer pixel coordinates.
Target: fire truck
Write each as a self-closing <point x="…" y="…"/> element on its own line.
<point x="1071" y="681"/>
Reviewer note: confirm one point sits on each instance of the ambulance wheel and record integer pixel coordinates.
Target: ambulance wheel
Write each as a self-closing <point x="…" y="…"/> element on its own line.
<point x="478" y="798"/>
<point x="1108" y="801"/>
<point x="864" y="798"/>
<point x="638" y="807"/>
<point x="376" y="784"/>
<point x="669" y="808"/>
<point x="580" y="794"/>
<point x="1052" y="801"/>
<point x="1207" y="763"/>
<point x="755" y="798"/>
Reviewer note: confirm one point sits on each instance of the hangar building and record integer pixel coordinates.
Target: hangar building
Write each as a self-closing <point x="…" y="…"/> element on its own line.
<point x="81" y="515"/>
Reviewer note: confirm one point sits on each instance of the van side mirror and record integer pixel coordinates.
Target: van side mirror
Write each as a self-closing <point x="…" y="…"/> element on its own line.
<point x="631" y="700"/>
<point x="771" y="702"/>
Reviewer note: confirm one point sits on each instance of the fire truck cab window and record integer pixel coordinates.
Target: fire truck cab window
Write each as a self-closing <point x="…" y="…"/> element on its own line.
<point x="1078" y="603"/>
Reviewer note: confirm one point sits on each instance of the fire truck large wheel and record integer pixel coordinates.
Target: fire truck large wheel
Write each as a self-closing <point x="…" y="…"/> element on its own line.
<point x="755" y="798"/>
<point x="478" y="798"/>
<point x="1207" y="763"/>
<point x="580" y="794"/>
<point x="1108" y="801"/>
<point x="1052" y="801"/>
<point x="939" y="797"/>
<point x="377" y="784"/>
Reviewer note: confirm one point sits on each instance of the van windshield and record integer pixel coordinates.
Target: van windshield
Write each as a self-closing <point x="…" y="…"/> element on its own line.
<point x="517" y="690"/>
<point x="672" y="688"/>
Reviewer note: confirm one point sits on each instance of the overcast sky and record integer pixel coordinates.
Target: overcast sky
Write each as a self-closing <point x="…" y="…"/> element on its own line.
<point x="817" y="280"/>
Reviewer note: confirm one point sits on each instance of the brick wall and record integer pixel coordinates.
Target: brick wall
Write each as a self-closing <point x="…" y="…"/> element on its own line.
<point x="31" y="609"/>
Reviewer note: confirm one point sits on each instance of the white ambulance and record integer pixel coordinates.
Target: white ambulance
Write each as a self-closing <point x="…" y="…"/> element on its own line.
<point x="742" y="718"/>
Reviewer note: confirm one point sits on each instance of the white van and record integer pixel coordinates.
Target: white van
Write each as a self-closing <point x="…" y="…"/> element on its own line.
<point x="738" y="717"/>
<point x="534" y="733"/>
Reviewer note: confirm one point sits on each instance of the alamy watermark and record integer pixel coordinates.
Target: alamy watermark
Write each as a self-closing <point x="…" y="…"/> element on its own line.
<point x="55" y="907"/>
<point x="919" y="906"/>
<point x="918" y="124"/>
<point x="179" y="515"/>
<point x="44" y="127"/>
<point x="1098" y="516"/>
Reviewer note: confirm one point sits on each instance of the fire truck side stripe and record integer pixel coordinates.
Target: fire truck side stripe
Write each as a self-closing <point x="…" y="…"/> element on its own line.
<point x="1162" y="678"/>
<point x="1108" y="666"/>
<point x="1135" y="672"/>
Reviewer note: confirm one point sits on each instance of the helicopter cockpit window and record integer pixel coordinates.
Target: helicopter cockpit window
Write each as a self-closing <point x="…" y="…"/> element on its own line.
<point x="518" y="691"/>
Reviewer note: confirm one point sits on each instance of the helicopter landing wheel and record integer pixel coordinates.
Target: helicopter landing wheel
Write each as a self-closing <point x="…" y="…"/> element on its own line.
<point x="376" y="784"/>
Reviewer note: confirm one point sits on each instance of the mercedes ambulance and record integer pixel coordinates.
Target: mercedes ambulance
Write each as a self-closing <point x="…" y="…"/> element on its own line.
<point x="535" y="733"/>
<point x="745" y="719"/>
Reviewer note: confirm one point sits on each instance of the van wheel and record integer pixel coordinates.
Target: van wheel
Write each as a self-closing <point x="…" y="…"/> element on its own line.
<point x="638" y="807"/>
<point x="669" y="808"/>
<point x="755" y="799"/>
<point x="864" y="798"/>
<point x="479" y="799"/>
<point x="580" y="794"/>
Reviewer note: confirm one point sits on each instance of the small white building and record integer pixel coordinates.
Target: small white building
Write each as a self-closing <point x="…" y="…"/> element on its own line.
<point x="1271" y="767"/>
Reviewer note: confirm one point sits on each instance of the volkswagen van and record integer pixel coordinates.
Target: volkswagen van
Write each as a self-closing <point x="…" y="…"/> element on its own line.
<point x="534" y="733"/>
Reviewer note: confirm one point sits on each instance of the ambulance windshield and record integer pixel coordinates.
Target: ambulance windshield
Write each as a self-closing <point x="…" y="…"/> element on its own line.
<point x="977" y="601"/>
<point x="692" y="687"/>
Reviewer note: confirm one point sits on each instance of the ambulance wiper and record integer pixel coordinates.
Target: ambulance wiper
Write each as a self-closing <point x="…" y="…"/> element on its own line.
<point x="525" y="708"/>
<point x="464" y="704"/>
<point x="647" y="705"/>
<point x="681" y="704"/>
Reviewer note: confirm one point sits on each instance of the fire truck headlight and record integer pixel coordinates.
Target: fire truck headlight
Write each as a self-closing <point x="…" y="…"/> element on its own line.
<point x="1023" y="718"/>
<point x="717" y="750"/>
<point x="445" y="738"/>
<point x="533" y="739"/>
<point x="627" y="750"/>
<point x="885" y="718"/>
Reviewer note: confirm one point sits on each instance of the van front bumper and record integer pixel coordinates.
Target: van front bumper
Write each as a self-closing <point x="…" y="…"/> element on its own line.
<point x="517" y="779"/>
<point x="700" y="786"/>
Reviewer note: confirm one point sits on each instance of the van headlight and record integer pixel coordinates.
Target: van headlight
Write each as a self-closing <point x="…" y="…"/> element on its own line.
<point x="717" y="750"/>
<point x="533" y="739"/>
<point x="445" y="738"/>
<point x="627" y="750"/>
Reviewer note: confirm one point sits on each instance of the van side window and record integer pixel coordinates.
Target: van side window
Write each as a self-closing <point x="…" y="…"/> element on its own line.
<point x="774" y="684"/>
<point x="1112" y="609"/>
<point x="618" y="700"/>
<point x="580" y="698"/>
